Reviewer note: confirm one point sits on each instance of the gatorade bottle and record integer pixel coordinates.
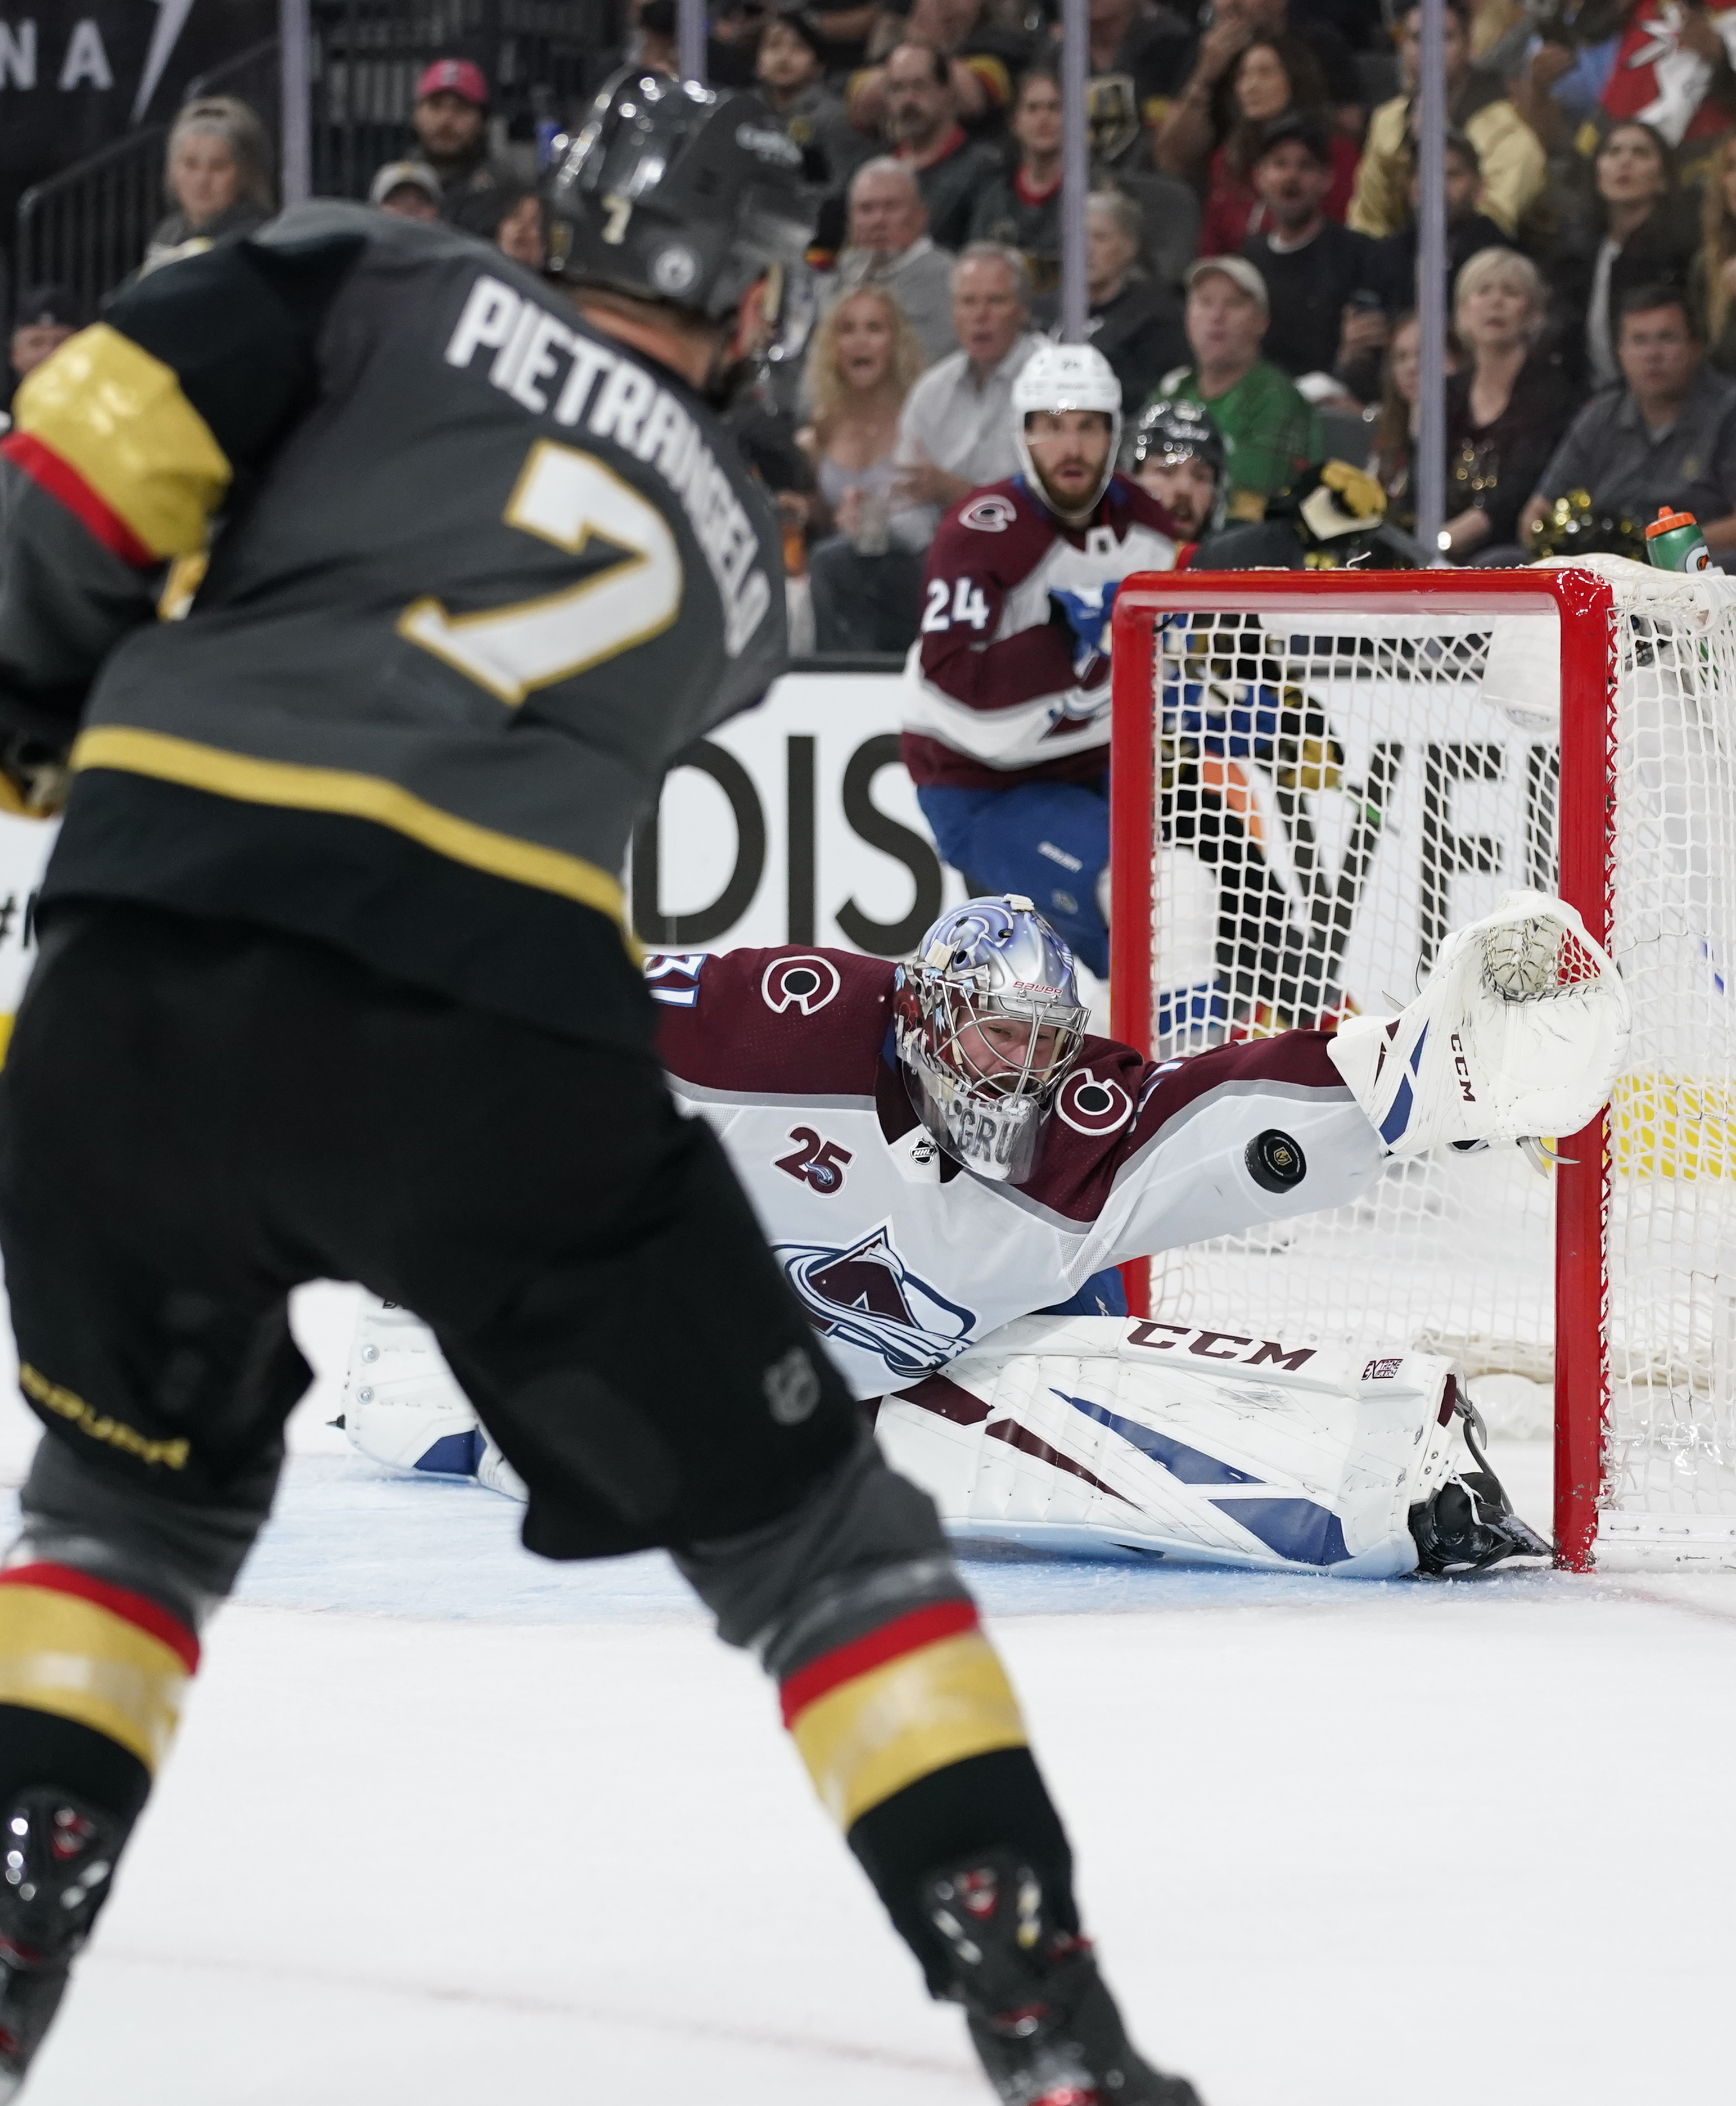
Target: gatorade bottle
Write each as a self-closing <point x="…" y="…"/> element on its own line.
<point x="1673" y="542"/>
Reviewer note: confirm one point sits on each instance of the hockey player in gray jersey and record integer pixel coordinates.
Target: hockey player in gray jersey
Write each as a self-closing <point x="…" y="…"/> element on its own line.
<point x="937" y="1151"/>
<point x="333" y="983"/>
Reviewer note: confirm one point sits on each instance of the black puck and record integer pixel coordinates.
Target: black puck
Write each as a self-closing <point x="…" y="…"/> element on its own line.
<point x="1275" y="1161"/>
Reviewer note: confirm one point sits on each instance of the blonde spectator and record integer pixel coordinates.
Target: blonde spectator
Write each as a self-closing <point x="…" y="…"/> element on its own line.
<point x="1515" y="167"/>
<point x="1507" y="406"/>
<point x="1715" y="266"/>
<point x="864" y="360"/>
<point x="216" y="176"/>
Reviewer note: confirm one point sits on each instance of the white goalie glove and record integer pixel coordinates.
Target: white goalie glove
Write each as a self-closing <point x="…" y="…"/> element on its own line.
<point x="1519" y="1034"/>
<point x="1117" y="1438"/>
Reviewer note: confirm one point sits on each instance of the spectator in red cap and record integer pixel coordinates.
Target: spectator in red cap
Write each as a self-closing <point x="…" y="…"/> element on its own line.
<point x="451" y="122"/>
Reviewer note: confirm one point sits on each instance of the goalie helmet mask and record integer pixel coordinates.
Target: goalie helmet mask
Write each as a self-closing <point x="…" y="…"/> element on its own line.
<point x="670" y="194"/>
<point x="987" y="1022"/>
<point x="1057" y="377"/>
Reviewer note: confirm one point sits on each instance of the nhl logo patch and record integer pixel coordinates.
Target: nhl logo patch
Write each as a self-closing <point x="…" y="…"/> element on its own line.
<point x="674" y="269"/>
<point x="1093" y="1105"/>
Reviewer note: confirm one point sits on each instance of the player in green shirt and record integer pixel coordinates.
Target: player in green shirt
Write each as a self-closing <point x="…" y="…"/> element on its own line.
<point x="1270" y="433"/>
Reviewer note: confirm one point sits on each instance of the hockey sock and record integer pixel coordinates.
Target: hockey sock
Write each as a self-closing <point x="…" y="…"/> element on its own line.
<point x="92" y="1678"/>
<point x="913" y="1738"/>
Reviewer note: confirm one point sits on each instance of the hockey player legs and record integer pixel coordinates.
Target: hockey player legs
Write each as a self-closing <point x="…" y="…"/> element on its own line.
<point x="1047" y="840"/>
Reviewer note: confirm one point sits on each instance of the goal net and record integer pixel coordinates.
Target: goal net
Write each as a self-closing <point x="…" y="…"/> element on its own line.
<point x="1317" y="777"/>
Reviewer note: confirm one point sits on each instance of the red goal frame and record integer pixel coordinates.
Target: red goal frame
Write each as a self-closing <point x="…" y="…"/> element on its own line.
<point x="1586" y="609"/>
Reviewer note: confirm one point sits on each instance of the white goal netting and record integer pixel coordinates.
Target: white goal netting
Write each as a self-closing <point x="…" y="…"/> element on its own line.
<point x="1334" y="795"/>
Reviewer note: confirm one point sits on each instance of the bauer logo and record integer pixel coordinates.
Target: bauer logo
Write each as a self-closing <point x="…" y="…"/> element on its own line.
<point x="1246" y="1352"/>
<point x="863" y="1295"/>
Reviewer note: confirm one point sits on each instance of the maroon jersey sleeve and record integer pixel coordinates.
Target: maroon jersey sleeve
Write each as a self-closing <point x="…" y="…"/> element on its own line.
<point x="804" y="1024"/>
<point x="1113" y="1105"/>
<point x="989" y="542"/>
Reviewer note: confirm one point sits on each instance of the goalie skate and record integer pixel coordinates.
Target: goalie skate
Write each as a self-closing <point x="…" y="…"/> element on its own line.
<point x="1518" y="1033"/>
<point x="1117" y="1438"/>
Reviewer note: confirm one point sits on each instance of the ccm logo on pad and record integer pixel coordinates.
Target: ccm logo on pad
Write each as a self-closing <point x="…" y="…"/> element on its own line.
<point x="1210" y="1345"/>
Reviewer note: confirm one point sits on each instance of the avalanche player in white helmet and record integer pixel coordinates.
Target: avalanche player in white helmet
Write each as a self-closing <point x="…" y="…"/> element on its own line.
<point x="1007" y="719"/>
<point x="937" y="1149"/>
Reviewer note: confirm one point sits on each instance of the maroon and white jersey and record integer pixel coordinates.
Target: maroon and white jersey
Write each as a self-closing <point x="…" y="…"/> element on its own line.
<point x="991" y="694"/>
<point x="903" y="1259"/>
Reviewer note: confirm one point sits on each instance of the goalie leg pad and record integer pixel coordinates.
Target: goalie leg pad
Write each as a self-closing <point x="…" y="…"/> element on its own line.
<point x="402" y="1407"/>
<point x="1126" y="1438"/>
<point x="1519" y="1032"/>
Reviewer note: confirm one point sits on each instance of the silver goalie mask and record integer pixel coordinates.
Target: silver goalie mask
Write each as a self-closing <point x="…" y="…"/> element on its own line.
<point x="989" y="1021"/>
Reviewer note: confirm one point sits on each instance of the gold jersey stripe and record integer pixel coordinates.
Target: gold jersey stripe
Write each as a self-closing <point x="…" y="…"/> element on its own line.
<point x="870" y="1738"/>
<point x="76" y="1660"/>
<point x="116" y="416"/>
<point x="293" y="788"/>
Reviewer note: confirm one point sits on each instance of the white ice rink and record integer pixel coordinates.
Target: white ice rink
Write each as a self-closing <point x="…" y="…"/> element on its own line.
<point x="449" y="1825"/>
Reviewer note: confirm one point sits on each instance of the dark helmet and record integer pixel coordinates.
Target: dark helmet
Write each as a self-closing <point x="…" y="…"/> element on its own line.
<point x="1173" y="431"/>
<point x="668" y="194"/>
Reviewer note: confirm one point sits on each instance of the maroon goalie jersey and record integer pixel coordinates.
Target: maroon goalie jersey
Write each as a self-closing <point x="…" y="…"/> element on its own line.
<point x="992" y="698"/>
<point x="901" y="1257"/>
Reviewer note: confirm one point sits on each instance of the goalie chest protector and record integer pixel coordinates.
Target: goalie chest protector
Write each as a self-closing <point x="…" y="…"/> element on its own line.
<point x="903" y="1260"/>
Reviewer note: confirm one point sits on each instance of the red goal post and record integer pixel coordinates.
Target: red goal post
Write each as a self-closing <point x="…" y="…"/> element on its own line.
<point x="1586" y="606"/>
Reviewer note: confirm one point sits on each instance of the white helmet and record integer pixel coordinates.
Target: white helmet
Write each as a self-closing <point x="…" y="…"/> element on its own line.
<point x="1067" y="376"/>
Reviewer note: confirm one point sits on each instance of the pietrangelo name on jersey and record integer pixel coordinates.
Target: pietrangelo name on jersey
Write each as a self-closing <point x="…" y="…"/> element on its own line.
<point x="549" y="369"/>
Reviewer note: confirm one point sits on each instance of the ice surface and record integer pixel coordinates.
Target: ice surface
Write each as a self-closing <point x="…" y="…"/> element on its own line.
<point x="447" y="1825"/>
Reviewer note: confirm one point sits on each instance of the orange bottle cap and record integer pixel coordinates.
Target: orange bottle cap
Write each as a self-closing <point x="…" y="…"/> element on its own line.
<point x="1667" y="521"/>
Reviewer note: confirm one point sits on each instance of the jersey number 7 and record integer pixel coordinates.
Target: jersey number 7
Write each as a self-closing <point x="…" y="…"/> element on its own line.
<point x="563" y="496"/>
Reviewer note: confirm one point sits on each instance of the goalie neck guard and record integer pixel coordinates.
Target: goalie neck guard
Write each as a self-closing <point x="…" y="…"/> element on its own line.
<point x="988" y="1021"/>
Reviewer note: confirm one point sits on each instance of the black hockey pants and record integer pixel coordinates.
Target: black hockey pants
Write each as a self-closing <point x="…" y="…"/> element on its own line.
<point x="196" y="1117"/>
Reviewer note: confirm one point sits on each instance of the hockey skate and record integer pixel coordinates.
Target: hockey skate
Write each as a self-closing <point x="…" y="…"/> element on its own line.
<point x="58" y="1856"/>
<point x="1470" y="1525"/>
<point x="1041" y="2018"/>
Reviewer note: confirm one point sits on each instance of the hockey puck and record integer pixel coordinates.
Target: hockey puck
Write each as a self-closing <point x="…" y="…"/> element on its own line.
<point x="1275" y="1161"/>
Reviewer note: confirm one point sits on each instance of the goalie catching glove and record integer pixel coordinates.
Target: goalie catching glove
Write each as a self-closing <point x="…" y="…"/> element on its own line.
<point x="1519" y="1034"/>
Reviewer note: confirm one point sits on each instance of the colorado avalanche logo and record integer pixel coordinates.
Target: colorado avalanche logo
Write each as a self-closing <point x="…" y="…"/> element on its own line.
<point x="806" y="983"/>
<point x="989" y="515"/>
<point x="1093" y="1105"/>
<point x="866" y="1297"/>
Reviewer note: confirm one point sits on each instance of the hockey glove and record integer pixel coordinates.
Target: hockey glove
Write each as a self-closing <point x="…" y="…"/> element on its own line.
<point x="1519" y="1032"/>
<point x="1085" y="610"/>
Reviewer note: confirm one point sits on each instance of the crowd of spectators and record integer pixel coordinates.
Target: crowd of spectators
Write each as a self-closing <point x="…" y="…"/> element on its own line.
<point x="1250" y="251"/>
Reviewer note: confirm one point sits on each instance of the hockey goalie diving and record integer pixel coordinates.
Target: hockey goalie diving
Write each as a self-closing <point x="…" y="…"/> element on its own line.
<point x="949" y="1171"/>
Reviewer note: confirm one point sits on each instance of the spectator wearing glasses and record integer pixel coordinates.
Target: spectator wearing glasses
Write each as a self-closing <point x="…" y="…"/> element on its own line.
<point x="888" y="244"/>
<point x="1666" y="437"/>
<point x="920" y="123"/>
<point x="217" y="176"/>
